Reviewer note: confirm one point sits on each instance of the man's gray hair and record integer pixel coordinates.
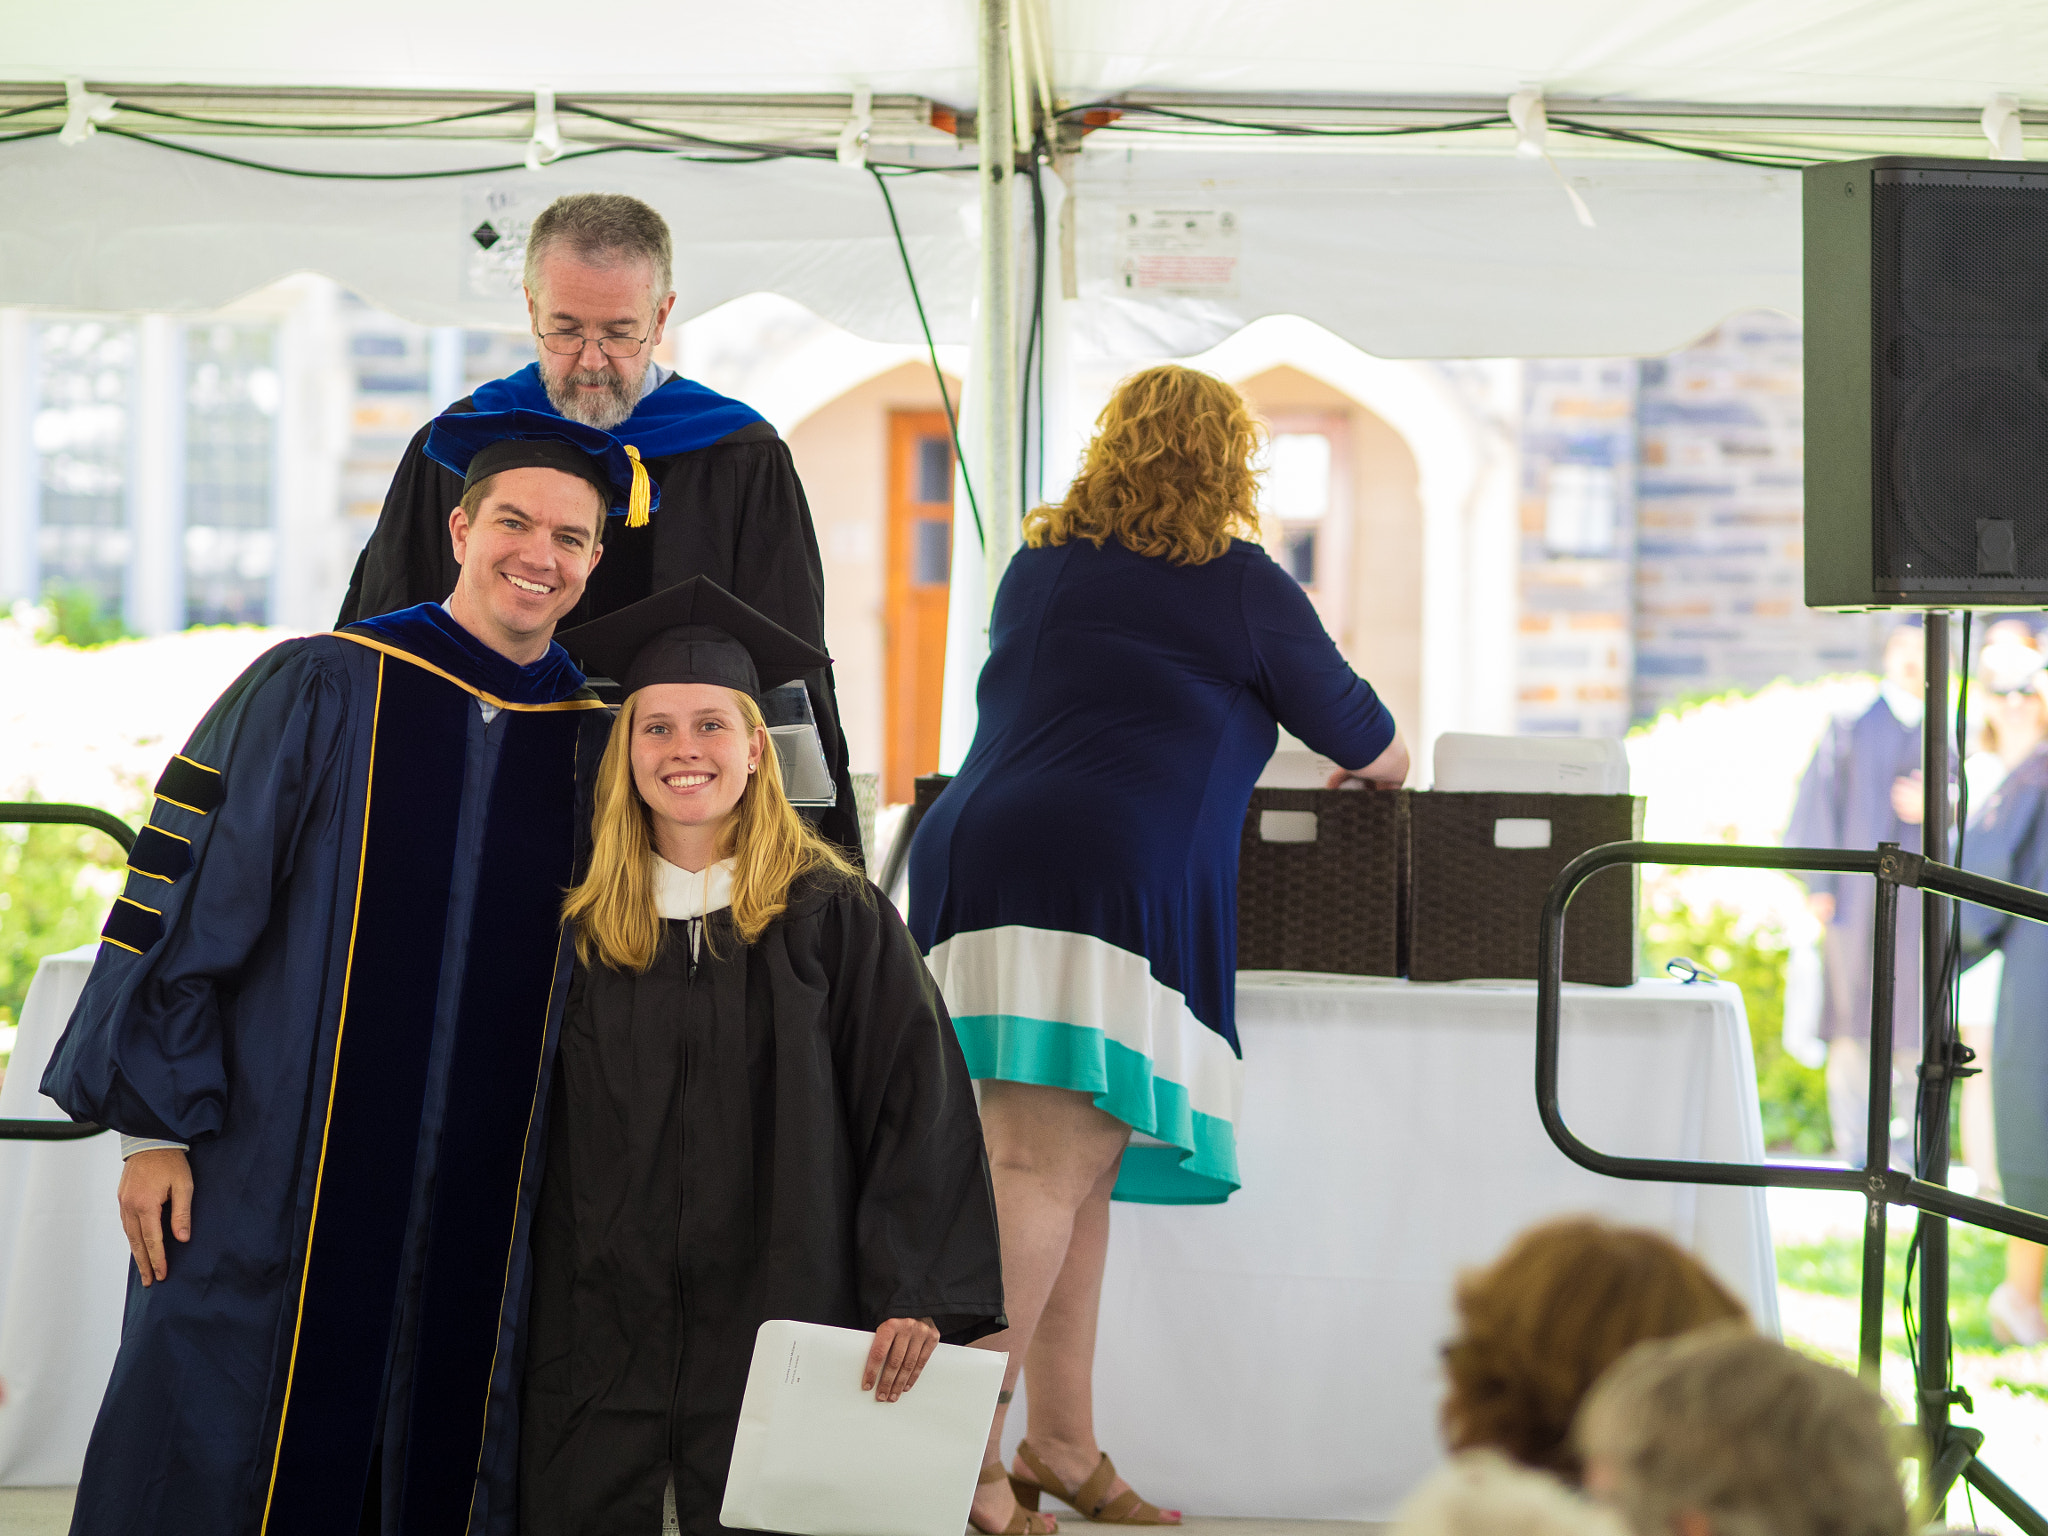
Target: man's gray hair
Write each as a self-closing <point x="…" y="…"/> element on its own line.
<point x="602" y="229"/>
<point x="1760" y="1440"/>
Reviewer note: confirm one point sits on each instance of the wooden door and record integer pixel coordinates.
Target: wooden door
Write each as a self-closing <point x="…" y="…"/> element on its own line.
<point x="914" y="600"/>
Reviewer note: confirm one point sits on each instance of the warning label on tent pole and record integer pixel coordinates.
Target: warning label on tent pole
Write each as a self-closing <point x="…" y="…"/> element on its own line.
<point x="1185" y="251"/>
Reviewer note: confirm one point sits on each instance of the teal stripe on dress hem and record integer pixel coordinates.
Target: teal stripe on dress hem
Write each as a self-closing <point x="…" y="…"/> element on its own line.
<point x="1199" y="1164"/>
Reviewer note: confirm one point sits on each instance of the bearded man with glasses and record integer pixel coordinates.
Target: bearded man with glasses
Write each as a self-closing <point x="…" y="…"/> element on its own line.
<point x="598" y="297"/>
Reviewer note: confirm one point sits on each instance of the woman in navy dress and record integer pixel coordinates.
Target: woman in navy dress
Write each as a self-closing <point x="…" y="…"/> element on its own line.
<point x="1075" y="887"/>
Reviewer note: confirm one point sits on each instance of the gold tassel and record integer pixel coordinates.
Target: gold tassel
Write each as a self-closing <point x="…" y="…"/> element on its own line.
<point x="638" y="500"/>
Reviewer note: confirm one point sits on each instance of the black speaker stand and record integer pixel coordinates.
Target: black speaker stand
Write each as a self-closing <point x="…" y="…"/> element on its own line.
<point x="1951" y="1450"/>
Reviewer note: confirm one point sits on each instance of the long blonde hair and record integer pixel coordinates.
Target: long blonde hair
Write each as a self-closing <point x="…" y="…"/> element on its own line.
<point x="1169" y="471"/>
<point x="771" y="847"/>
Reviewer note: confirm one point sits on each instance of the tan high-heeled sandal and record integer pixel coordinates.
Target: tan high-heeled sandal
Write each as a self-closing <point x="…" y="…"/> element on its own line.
<point x="1023" y="1522"/>
<point x="1091" y="1498"/>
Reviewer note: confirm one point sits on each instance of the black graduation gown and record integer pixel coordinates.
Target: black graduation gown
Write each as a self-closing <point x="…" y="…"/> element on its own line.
<point x="783" y="1130"/>
<point x="733" y="511"/>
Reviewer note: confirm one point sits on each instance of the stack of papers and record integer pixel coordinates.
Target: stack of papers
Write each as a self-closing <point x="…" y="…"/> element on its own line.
<point x="817" y="1456"/>
<point x="1555" y="765"/>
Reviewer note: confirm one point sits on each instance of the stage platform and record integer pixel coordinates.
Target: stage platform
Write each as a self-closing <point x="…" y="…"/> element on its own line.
<point x="47" y="1512"/>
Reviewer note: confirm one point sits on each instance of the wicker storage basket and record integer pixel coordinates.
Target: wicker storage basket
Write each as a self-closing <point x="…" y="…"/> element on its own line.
<point x="1474" y="907"/>
<point x="1331" y="904"/>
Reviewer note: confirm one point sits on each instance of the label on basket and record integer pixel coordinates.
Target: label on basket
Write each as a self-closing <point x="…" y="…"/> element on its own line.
<point x="1519" y="832"/>
<point x="1297" y="827"/>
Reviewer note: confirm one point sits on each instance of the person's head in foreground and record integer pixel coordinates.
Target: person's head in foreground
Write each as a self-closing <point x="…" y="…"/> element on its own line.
<point x="1538" y="1325"/>
<point x="1168" y="473"/>
<point x="598" y="295"/>
<point x="689" y="774"/>
<point x="1725" y="1433"/>
<point x="1482" y="1493"/>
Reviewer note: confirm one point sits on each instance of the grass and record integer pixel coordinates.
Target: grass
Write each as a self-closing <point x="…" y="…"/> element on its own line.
<point x="1834" y="1267"/>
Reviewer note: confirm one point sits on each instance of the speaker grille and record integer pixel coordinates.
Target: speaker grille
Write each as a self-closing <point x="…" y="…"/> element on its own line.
<point x="1959" y="295"/>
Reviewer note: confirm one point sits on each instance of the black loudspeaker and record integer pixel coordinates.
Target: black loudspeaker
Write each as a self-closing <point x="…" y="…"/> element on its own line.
<point x="1926" y="384"/>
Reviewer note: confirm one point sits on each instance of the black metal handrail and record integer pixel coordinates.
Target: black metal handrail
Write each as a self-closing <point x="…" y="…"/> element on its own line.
<point x="36" y="812"/>
<point x="1952" y="1450"/>
<point x="1894" y="1185"/>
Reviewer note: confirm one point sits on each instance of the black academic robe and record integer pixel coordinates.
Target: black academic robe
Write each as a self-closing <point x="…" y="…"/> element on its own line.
<point x="1845" y="801"/>
<point x="337" y="974"/>
<point x="781" y="1130"/>
<point x="733" y="511"/>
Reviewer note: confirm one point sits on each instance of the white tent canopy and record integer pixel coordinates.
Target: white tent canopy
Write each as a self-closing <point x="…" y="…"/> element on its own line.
<point x="1903" y="53"/>
<point x="1442" y="246"/>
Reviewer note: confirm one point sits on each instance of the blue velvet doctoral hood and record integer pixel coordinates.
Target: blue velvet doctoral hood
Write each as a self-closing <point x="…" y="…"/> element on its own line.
<point x="679" y="416"/>
<point x="430" y="632"/>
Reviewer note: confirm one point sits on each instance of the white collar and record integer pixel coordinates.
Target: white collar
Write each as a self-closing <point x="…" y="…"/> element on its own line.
<point x="1906" y="708"/>
<point x="679" y="894"/>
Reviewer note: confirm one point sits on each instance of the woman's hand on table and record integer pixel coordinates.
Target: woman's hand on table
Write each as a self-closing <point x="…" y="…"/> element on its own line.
<point x="1387" y="771"/>
<point x="902" y="1345"/>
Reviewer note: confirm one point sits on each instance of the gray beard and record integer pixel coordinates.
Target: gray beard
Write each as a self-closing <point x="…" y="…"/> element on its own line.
<point x="601" y="411"/>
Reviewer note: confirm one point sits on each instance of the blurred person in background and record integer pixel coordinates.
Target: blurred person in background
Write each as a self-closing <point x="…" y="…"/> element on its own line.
<point x="1075" y="886"/>
<point x="1861" y="789"/>
<point x="2007" y="839"/>
<point x="1725" y="1433"/>
<point x="2011" y="718"/>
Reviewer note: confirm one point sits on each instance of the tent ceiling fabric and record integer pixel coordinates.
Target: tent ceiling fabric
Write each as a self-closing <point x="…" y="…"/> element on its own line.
<point x="1841" y="52"/>
<point x="1458" y="250"/>
<point x="1404" y="256"/>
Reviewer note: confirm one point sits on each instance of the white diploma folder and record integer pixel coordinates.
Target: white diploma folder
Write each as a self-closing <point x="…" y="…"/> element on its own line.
<point x="817" y="1456"/>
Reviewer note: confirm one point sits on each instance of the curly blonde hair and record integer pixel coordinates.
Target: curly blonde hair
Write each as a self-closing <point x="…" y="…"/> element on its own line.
<point x="1168" y="473"/>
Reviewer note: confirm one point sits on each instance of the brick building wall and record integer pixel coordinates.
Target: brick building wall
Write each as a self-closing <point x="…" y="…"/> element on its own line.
<point x="1661" y="533"/>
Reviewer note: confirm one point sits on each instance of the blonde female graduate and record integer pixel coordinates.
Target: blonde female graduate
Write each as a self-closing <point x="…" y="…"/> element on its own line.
<point x="760" y="1109"/>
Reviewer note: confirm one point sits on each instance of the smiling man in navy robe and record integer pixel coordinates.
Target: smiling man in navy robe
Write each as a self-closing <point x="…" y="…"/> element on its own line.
<point x="322" y="1017"/>
<point x="599" y="290"/>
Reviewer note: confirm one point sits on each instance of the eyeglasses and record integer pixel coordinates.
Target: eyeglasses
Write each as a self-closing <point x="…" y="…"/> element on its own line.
<point x="569" y="343"/>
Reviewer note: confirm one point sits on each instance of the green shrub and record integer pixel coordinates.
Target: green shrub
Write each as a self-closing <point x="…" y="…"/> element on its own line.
<point x="56" y="883"/>
<point x="78" y="617"/>
<point x="1795" y="1096"/>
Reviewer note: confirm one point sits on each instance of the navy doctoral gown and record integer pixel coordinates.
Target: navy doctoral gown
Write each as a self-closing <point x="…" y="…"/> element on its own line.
<point x="337" y="974"/>
<point x="1845" y="801"/>
<point x="2008" y="840"/>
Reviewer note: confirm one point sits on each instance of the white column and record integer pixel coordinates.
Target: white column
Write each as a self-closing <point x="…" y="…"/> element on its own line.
<point x="1470" y="564"/>
<point x="17" y="460"/>
<point x="156" y="488"/>
<point x="445" y="380"/>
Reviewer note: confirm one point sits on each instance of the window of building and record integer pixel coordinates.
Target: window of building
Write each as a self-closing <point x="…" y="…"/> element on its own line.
<point x="1297" y="498"/>
<point x="84" y="401"/>
<point x="1581" y="510"/>
<point x="232" y="393"/>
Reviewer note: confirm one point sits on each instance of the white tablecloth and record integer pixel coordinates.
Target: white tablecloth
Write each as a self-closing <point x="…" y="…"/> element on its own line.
<point x="1277" y="1355"/>
<point x="63" y="1260"/>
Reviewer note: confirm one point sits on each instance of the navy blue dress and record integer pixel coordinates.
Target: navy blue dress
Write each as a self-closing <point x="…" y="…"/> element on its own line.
<point x="1075" y="887"/>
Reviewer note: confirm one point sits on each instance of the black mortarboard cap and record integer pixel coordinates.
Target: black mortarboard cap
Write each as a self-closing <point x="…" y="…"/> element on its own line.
<point x="479" y="443"/>
<point x="692" y="632"/>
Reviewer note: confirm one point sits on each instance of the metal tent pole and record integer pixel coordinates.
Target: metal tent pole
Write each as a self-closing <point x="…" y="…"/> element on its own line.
<point x="994" y="391"/>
